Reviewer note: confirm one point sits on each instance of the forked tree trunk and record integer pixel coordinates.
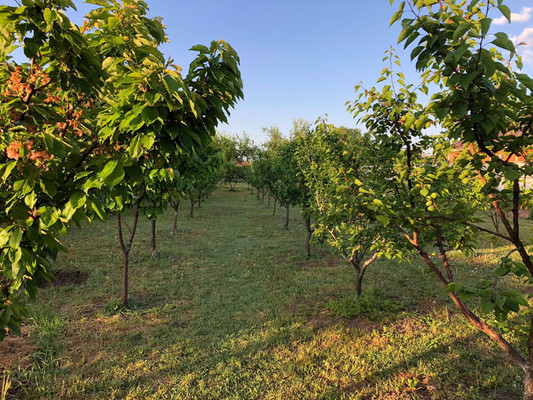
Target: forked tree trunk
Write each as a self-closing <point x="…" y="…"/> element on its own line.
<point x="192" y="208"/>
<point x="275" y="204"/>
<point x="154" y="244"/>
<point x="309" y="234"/>
<point x="360" y="273"/>
<point x="287" y="218"/>
<point x="126" y="248"/>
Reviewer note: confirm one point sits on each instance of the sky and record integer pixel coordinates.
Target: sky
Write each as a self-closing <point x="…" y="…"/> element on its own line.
<point x="301" y="58"/>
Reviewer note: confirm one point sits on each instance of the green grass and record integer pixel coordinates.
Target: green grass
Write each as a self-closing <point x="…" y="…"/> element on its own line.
<point x="232" y="309"/>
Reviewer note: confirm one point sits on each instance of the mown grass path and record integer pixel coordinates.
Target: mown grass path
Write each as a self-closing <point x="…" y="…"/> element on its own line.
<point x="233" y="310"/>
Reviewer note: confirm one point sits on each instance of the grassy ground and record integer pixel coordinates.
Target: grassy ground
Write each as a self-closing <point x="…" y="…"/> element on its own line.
<point x="232" y="309"/>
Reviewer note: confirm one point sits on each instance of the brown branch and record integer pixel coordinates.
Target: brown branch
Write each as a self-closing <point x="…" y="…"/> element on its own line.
<point x="444" y="257"/>
<point x="489" y="231"/>
<point x="516" y="208"/>
<point x="488" y="330"/>
<point x="84" y="156"/>
<point x="370" y="260"/>
<point x="136" y="218"/>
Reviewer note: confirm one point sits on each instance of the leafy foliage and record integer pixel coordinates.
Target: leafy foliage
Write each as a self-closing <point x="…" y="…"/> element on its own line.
<point x="95" y="120"/>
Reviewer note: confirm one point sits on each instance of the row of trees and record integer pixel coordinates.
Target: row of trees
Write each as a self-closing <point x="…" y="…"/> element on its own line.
<point x="94" y="121"/>
<point x="400" y="191"/>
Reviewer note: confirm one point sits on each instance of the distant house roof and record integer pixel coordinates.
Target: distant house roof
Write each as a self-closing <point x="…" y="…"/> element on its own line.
<point x="514" y="158"/>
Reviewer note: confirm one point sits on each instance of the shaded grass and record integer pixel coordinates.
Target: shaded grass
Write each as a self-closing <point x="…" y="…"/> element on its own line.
<point x="232" y="309"/>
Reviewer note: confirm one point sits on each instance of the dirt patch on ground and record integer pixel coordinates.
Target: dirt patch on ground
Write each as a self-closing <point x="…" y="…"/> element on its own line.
<point x="431" y="305"/>
<point x="361" y="324"/>
<point x="15" y="352"/>
<point x="322" y="321"/>
<point x="66" y="278"/>
<point x="304" y="306"/>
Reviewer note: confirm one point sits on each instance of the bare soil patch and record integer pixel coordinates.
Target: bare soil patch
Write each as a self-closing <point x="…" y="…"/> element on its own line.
<point x="66" y="278"/>
<point x="15" y="352"/>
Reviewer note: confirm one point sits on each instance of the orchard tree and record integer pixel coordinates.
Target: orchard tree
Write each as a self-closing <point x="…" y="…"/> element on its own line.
<point x="149" y="105"/>
<point x="48" y="143"/>
<point x="236" y="155"/>
<point x="487" y="106"/>
<point x="338" y="167"/>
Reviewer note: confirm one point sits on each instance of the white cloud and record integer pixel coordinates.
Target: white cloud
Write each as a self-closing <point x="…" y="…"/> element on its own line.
<point x="525" y="50"/>
<point x="523" y="16"/>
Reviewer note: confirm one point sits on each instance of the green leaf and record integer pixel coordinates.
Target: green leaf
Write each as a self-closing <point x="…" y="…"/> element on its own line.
<point x="485" y="25"/>
<point x="77" y="200"/>
<point x="112" y="22"/>
<point x="15" y="239"/>
<point x="424" y="192"/>
<point x="199" y="47"/>
<point x="98" y="2"/>
<point x="4" y="236"/>
<point x="383" y="219"/>
<point x="398" y="14"/>
<point x="462" y="29"/>
<point x="502" y="41"/>
<point x="112" y="173"/>
<point x="511" y="174"/>
<point x="505" y="11"/>
<point x="502" y="271"/>
<point x="8" y="168"/>
<point x="149" y="115"/>
<point x="170" y="84"/>
<point x="147" y="141"/>
<point x="47" y="14"/>
<point x="135" y="149"/>
<point x="191" y="103"/>
<point x="98" y="207"/>
<point x="487" y="307"/>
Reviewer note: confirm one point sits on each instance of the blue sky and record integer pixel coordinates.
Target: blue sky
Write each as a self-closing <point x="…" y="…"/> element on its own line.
<point x="300" y="59"/>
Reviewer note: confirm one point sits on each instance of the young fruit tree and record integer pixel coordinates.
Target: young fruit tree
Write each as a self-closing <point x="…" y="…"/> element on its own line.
<point x="150" y="105"/>
<point x="482" y="102"/>
<point x="337" y="165"/>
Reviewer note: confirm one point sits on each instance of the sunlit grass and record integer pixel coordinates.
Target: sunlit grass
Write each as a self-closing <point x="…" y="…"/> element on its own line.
<point x="232" y="309"/>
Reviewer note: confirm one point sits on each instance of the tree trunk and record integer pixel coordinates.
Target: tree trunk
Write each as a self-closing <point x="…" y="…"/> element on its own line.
<point x="154" y="245"/>
<point x="309" y="234"/>
<point x="175" y="226"/>
<point x="252" y="191"/>
<point x="257" y="192"/>
<point x="360" y="273"/>
<point x="263" y="198"/>
<point x="275" y="203"/>
<point x="268" y="201"/>
<point x="287" y="218"/>
<point x="125" y="272"/>
<point x="192" y="207"/>
<point x="199" y="201"/>
<point x="126" y="248"/>
<point x="528" y="384"/>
